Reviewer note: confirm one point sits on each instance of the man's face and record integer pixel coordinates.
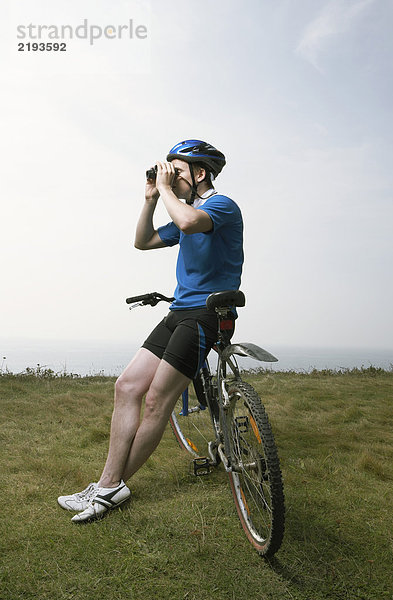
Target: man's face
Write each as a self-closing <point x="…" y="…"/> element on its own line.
<point x="183" y="182"/>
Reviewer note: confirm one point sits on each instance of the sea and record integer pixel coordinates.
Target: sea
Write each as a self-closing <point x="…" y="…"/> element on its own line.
<point x="110" y="358"/>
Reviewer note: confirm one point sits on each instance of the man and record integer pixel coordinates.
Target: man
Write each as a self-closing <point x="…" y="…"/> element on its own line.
<point x="209" y="229"/>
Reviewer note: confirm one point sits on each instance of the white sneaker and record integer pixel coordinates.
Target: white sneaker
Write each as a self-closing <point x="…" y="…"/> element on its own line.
<point x="80" y="500"/>
<point x="104" y="500"/>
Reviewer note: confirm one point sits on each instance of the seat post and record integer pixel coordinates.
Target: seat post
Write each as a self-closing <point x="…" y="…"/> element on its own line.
<point x="226" y="325"/>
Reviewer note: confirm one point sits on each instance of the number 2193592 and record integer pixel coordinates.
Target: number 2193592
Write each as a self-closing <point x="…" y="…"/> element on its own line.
<point x="42" y="47"/>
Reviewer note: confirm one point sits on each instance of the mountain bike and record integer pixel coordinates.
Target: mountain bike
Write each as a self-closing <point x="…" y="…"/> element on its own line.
<point x="224" y="421"/>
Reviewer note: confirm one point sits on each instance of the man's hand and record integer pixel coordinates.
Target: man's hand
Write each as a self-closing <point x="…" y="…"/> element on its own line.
<point x="151" y="191"/>
<point x="165" y="176"/>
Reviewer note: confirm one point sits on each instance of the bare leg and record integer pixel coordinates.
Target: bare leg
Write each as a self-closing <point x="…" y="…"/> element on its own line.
<point x="166" y="387"/>
<point x="130" y="388"/>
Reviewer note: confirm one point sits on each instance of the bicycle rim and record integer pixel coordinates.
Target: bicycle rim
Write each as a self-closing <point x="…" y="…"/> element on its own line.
<point x="194" y="431"/>
<point x="256" y="482"/>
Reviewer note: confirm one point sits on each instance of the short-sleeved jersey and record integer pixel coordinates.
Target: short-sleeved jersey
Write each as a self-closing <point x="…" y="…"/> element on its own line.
<point x="207" y="262"/>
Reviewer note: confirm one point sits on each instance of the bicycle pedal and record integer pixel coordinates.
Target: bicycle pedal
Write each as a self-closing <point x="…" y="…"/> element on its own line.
<point x="201" y="466"/>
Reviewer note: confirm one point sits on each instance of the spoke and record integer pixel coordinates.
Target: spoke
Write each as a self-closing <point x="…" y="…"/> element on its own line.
<point x="252" y="494"/>
<point x="191" y="426"/>
<point x="252" y="489"/>
<point x="256" y="477"/>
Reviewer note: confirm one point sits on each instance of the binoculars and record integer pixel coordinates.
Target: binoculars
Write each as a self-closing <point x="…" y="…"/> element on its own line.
<point x="152" y="173"/>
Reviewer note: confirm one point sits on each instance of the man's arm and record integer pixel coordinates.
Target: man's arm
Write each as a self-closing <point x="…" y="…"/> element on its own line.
<point x="146" y="237"/>
<point x="187" y="218"/>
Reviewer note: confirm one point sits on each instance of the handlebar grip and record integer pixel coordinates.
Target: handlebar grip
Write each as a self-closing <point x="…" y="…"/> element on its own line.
<point x="140" y="298"/>
<point x="153" y="298"/>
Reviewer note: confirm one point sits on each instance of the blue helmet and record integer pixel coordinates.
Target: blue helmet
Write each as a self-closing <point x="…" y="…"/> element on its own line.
<point x="199" y="152"/>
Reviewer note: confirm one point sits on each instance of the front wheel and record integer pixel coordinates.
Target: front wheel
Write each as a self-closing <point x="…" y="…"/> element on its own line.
<point x="196" y="427"/>
<point x="255" y="478"/>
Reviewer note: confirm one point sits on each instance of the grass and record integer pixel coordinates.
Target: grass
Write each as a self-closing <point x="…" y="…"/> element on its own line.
<point x="179" y="537"/>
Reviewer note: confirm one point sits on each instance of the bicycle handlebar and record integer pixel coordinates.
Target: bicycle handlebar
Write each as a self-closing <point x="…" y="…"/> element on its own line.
<point x="152" y="298"/>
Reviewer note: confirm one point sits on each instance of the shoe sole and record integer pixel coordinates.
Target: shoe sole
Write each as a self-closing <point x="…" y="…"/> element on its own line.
<point x="99" y="517"/>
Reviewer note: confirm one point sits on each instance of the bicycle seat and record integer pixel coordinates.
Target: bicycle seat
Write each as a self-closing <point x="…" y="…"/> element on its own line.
<point x="226" y="298"/>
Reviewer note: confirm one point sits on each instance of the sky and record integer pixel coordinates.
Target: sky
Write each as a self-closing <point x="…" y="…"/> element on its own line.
<point x="298" y="96"/>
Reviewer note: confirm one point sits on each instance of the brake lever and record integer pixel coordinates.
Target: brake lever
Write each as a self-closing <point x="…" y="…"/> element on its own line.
<point x="135" y="305"/>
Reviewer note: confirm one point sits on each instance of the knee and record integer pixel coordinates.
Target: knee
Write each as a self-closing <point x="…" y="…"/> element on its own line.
<point x="153" y="405"/>
<point x="128" y="388"/>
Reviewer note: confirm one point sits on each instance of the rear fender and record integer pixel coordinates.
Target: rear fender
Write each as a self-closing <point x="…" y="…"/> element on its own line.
<point x="251" y="350"/>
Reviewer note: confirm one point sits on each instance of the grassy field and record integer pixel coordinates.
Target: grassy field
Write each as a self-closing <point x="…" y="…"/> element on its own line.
<point x="179" y="537"/>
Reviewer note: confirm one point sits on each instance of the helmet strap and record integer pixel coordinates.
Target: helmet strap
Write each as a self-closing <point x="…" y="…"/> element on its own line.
<point x="194" y="186"/>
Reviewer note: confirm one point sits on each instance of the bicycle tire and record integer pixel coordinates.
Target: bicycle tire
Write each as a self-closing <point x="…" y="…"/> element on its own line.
<point x="256" y="484"/>
<point x="195" y="430"/>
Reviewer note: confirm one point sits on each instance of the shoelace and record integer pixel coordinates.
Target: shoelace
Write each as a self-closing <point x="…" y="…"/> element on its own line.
<point x="88" y="493"/>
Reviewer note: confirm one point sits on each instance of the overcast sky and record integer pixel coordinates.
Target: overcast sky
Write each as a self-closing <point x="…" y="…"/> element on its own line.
<point x="296" y="93"/>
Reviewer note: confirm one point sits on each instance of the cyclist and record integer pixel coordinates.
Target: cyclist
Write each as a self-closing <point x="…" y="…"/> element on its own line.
<point x="209" y="230"/>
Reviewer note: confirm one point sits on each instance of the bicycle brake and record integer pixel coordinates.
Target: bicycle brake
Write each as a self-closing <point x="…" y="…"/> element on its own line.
<point x="135" y="305"/>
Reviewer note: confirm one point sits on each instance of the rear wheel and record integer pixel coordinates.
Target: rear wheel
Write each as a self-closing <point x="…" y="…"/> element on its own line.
<point x="255" y="480"/>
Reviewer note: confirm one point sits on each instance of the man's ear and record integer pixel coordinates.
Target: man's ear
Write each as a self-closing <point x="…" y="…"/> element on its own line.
<point x="200" y="176"/>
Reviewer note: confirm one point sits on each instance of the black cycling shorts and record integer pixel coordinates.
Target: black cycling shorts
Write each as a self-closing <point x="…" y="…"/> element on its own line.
<point x="184" y="339"/>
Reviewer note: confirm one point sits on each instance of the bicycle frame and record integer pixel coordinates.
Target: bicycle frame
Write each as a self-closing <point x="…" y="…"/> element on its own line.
<point x="226" y="356"/>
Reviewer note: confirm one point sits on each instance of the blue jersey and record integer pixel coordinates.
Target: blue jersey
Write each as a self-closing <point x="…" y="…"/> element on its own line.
<point x="207" y="262"/>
